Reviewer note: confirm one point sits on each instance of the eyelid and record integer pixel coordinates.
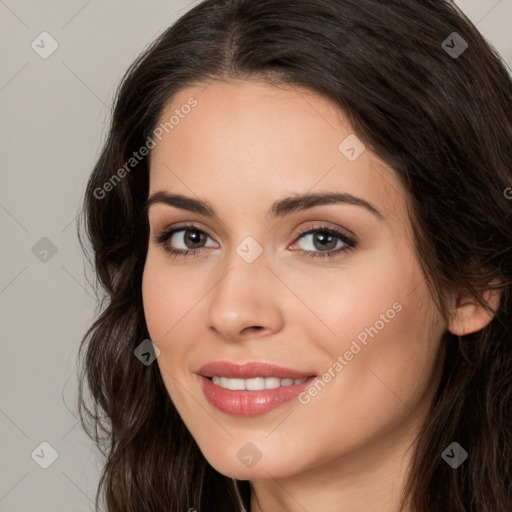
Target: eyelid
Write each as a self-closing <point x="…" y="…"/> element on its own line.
<point x="182" y="226"/>
<point x="319" y="224"/>
<point x="310" y="226"/>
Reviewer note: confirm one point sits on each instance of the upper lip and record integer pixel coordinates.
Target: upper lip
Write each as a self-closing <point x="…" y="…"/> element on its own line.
<point x="250" y="370"/>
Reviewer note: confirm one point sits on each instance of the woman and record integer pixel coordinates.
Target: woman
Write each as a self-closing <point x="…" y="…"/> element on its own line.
<point x="301" y="224"/>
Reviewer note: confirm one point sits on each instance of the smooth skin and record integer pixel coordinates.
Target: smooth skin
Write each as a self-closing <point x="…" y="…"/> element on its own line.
<point x="245" y="145"/>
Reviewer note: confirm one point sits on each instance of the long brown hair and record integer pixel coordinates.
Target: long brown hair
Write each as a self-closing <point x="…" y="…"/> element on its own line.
<point x="437" y="109"/>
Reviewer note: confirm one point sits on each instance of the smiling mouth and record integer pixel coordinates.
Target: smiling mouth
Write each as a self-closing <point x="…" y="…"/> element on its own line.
<point x="250" y="397"/>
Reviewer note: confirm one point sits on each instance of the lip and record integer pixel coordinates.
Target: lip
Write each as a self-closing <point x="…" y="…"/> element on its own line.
<point x="250" y="370"/>
<point x="250" y="403"/>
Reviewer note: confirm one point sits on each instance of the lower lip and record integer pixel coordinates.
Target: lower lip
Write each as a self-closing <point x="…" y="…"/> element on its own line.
<point x="250" y="403"/>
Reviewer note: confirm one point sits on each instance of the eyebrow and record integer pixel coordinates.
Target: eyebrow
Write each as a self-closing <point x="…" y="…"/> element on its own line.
<point x="279" y="208"/>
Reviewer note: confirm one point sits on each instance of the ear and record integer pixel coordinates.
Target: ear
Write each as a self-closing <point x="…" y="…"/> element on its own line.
<point x="468" y="315"/>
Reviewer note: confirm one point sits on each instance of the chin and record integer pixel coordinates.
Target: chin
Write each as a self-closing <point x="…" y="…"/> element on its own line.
<point x="260" y="470"/>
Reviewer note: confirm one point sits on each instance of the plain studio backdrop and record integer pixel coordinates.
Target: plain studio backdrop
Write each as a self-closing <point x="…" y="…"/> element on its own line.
<point x="60" y="64"/>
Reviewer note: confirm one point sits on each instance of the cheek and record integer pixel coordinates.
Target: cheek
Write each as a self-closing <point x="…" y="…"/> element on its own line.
<point x="156" y="301"/>
<point x="395" y="358"/>
<point x="385" y="341"/>
<point x="338" y="305"/>
<point x="172" y="309"/>
<point x="163" y="308"/>
<point x="168" y="295"/>
<point x="378" y="385"/>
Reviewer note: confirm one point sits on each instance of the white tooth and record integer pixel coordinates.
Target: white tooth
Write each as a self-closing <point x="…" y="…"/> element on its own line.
<point x="236" y="384"/>
<point x="255" y="384"/>
<point x="272" y="382"/>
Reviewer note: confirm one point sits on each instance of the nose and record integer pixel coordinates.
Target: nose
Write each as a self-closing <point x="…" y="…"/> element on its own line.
<point x="245" y="301"/>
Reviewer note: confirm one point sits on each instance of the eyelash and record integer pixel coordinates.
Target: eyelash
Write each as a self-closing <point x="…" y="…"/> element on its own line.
<point x="349" y="242"/>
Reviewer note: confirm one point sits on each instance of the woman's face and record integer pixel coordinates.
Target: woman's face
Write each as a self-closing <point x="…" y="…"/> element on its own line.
<point x="252" y="288"/>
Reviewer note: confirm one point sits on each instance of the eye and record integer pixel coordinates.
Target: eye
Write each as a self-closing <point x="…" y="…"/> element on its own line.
<point x="190" y="236"/>
<point x="320" y="242"/>
<point x="325" y="242"/>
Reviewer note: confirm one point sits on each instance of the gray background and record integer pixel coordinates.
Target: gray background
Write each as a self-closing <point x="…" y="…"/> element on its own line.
<point x="54" y="117"/>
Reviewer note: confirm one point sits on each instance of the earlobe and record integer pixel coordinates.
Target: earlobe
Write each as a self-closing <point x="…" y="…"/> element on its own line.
<point x="469" y="315"/>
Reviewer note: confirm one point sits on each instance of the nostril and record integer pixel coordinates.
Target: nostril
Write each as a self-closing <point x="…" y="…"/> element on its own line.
<point x="255" y="327"/>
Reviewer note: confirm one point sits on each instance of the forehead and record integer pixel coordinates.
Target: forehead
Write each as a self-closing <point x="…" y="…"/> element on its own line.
<point x="255" y="142"/>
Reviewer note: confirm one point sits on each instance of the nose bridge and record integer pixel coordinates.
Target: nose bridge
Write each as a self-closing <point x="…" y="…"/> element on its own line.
<point x="244" y="296"/>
